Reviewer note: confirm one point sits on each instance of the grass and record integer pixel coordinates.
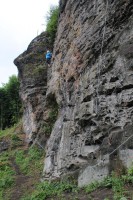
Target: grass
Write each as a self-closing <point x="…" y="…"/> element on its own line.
<point x="6" y="133"/>
<point x="31" y="161"/>
<point x="7" y="179"/>
<point x="47" y="189"/>
<point x="116" y="183"/>
<point x="7" y="174"/>
<point x="10" y="133"/>
<point x="57" y="190"/>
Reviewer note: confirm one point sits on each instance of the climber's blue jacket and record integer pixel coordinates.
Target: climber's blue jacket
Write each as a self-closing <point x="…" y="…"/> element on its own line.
<point x="48" y="55"/>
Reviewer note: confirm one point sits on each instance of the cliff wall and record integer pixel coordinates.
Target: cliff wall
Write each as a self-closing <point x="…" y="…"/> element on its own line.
<point x="92" y="83"/>
<point x="33" y="78"/>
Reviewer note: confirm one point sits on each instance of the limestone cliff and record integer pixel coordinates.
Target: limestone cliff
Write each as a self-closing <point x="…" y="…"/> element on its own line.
<point x="92" y="83"/>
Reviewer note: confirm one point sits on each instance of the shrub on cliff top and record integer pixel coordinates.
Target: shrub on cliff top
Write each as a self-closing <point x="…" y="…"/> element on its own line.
<point x="52" y="21"/>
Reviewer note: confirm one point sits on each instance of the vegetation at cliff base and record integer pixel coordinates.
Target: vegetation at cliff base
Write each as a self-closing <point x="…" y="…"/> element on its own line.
<point x="20" y="166"/>
<point x="52" y="22"/>
<point x="10" y="104"/>
<point x="52" y="190"/>
<point x="21" y="170"/>
<point x="117" y="184"/>
<point x="6" y="175"/>
<point x="31" y="161"/>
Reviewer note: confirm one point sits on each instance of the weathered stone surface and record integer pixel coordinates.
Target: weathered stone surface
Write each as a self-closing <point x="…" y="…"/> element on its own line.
<point x="4" y="145"/>
<point x="33" y="85"/>
<point x="92" y="81"/>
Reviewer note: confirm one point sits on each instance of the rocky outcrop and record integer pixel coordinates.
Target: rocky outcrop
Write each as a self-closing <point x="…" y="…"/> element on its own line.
<point x="4" y="145"/>
<point x="92" y="83"/>
<point x="32" y="69"/>
<point x="92" y="80"/>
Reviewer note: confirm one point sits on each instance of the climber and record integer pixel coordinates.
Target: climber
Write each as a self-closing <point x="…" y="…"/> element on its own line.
<point x="48" y="57"/>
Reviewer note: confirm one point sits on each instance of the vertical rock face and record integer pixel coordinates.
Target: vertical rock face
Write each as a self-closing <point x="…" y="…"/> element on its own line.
<point x="92" y="81"/>
<point x="33" y="85"/>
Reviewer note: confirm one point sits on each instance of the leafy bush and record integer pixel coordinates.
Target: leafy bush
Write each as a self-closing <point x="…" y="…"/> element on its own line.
<point x="52" y="21"/>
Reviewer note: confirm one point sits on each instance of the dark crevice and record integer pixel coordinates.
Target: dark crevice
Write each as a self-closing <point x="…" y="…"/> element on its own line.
<point x="116" y="90"/>
<point x="92" y="141"/>
<point x="73" y="167"/>
<point x="87" y="98"/>
<point x="71" y="79"/>
<point x="129" y="104"/>
<point x="62" y="5"/>
<point x="114" y="79"/>
<point x="99" y="140"/>
<point x="87" y="122"/>
<point x="110" y="91"/>
<point x="126" y="87"/>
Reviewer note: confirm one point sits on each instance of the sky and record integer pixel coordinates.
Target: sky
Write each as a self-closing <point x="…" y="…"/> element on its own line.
<point x="20" y="22"/>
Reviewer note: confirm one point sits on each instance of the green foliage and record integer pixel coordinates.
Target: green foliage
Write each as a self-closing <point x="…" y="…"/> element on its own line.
<point x="9" y="103"/>
<point x="47" y="129"/>
<point x="6" y="133"/>
<point x="115" y="182"/>
<point x="117" y="187"/>
<point x="52" y="21"/>
<point x="53" y="113"/>
<point x="93" y="186"/>
<point x="15" y="141"/>
<point x="46" y="189"/>
<point x="30" y="161"/>
<point x="15" y="138"/>
<point x="130" y="171"/>
<point x="129" y="176"/>
<point x="11" y="137"/>
<point x="6" y="174"/>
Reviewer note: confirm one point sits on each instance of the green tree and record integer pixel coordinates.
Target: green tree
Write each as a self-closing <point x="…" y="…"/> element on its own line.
<point x="3" y="107"/>
<point x="52" y="22"/>
<point x="10" y="104"/>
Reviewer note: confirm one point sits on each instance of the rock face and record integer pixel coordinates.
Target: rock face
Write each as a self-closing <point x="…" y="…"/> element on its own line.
<point x="4" y="145"/>
<point x="33" y="85"/>
<point x="92" y="82"/>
